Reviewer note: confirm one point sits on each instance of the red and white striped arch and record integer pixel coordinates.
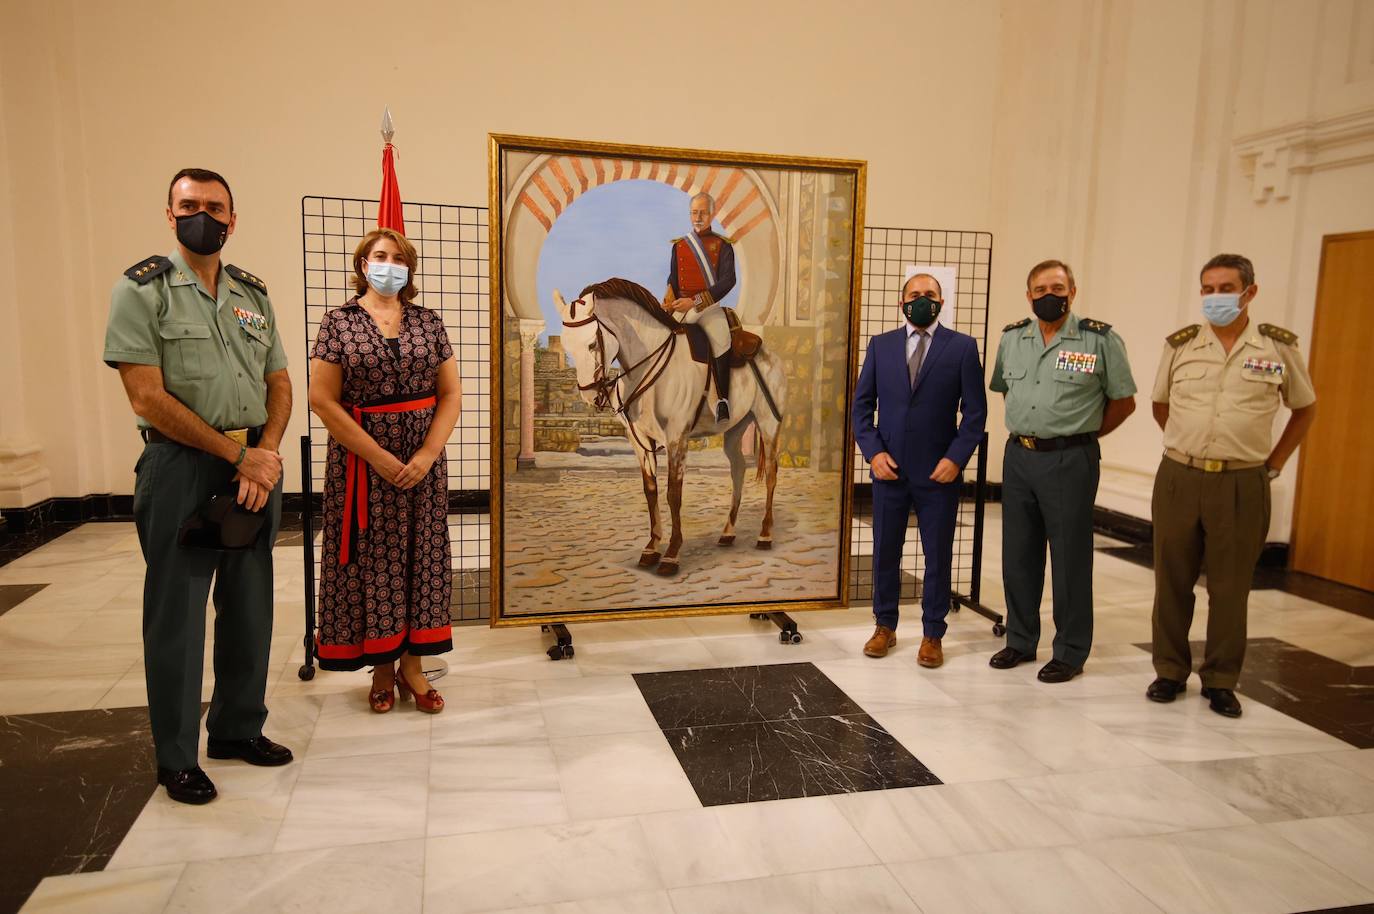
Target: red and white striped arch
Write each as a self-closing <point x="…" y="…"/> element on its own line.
<point x="747" y="209"/>
<point x="551" y="186"/>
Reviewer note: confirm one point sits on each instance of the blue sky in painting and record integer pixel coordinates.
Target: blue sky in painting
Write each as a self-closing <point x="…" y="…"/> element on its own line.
<point x="619" y="229"/>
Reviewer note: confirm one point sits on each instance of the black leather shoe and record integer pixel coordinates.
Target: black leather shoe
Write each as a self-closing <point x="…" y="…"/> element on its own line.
<point x="1165" y="690"/>
<point x="1007" y="658"/>
<point x="1057" y="671"/>
<point x="1223" y="701"/>
<point x="256" y="751"/>
<point x="190" y="785"/>
<point x="722" y="411"/>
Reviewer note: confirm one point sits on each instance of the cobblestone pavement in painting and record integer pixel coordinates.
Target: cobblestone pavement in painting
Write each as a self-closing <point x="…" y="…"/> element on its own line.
<point x="573" y="537"/>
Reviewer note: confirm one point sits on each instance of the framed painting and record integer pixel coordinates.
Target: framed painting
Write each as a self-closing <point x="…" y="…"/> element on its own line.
<point x="673" y="339"/>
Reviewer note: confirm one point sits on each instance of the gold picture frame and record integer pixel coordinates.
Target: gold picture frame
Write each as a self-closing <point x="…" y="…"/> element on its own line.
<point x="794" y="229"/>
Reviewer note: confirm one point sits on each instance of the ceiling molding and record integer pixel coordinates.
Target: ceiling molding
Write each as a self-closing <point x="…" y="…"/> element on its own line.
<point x="1269" y="158"/>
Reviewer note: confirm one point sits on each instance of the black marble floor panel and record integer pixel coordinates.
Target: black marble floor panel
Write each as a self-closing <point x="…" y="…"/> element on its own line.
<point x="748" y="734"/>
<point x="1318" y="590"/>
<point x="71" y="785"/>
<point x="11" y="595"/>
<point x="18" y="545"/>
<point x="1334" y="697"/>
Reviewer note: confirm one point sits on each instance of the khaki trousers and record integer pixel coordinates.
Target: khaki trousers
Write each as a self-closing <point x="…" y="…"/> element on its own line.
<point x="1219" y="520"/>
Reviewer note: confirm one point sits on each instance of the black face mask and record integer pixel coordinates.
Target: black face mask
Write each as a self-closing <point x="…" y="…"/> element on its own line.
<point x="202" y="233"/>
<point x="1050" y="307"/>
<point x="921" y="311"/>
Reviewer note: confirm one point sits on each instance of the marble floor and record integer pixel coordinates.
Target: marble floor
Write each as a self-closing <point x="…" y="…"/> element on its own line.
<point x="694" y="765"/>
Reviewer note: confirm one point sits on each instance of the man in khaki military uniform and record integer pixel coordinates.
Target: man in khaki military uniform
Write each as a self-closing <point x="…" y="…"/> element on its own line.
<point x="197" y="350"/>
<point x="1218" y="387"/>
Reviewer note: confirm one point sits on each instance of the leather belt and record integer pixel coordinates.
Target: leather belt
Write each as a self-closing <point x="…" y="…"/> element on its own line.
<point x="245" y="437"/>
<point x="1032" y="443"/>
<point x="1210" y="466"/>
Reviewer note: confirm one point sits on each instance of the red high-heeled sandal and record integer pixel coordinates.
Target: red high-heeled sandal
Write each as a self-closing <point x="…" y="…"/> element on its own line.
<point x="382" y="700"/>
<point x="431" y="702"/>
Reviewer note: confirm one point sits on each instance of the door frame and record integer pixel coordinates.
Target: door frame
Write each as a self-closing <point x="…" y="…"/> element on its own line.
<point x="1294" y="546"/>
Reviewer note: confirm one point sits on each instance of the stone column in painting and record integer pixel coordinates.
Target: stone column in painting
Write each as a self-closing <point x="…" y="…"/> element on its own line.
<point x="529" y="335"/>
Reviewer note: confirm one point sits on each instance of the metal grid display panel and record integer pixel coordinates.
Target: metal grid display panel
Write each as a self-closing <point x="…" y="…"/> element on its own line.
<point x="887" y="253"/>
<point x="453" y="280"/>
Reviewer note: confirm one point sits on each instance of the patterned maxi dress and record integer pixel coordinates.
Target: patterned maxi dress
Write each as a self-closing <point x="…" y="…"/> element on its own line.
<point x="389" y="590"/>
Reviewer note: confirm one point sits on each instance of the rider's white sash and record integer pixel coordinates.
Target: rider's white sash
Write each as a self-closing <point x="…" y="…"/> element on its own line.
<point x="702" y="260"/>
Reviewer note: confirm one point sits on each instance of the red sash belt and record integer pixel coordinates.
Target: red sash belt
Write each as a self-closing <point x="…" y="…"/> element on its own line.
<point x="355" y="468"/>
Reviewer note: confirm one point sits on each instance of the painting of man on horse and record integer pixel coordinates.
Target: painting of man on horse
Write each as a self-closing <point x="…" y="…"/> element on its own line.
<point x="670" y="437"/>
<point x="660" y="391"/>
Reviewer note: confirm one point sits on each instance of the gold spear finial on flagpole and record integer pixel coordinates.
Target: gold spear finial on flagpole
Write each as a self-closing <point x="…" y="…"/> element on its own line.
<point x="388" y="128"/>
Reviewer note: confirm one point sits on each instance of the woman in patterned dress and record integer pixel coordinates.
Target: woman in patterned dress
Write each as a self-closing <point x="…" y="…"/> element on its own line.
<point x="384" y="383"/>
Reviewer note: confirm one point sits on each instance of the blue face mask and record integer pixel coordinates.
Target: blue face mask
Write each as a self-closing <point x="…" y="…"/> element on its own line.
<point x="387" y="278"/>
<point x="1222" y="308"/>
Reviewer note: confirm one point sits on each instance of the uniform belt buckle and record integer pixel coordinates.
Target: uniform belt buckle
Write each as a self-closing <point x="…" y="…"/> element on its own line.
<point x="1213" y="466"/>
<point x="1027" y="442"/>
<point x="238" y="435"/>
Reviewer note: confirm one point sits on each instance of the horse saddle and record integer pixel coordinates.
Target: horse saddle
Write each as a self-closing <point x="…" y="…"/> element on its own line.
<point x="743" y="344"/>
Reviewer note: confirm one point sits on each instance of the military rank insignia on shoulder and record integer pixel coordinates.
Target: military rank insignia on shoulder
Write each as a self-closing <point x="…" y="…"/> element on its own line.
<point x="1278" y="333"/>
<point x="1179" y="337"/>
<point x="1087" y="323"/>
<point x="1016" y="326"/>
<point x="145" y="271"/>
<point x="244" y="276"/>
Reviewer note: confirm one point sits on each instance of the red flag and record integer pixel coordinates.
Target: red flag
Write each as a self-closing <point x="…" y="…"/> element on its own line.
<point x="389" y="209"/>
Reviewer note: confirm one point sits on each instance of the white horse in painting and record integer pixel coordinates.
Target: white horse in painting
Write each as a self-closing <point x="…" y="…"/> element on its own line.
<point x="660" y="394"/>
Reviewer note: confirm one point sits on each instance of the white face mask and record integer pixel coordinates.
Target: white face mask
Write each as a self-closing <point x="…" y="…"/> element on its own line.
<point x="387" y="278"/>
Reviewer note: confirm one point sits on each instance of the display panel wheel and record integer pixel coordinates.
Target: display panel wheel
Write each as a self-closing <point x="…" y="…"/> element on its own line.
<point x="306" y="672"/>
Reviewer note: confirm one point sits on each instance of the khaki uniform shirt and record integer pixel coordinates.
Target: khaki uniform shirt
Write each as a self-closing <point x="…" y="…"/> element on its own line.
<point x="1221" y="407"/>
<point x="1060" y="388"/>
<point x="215" y="352"/>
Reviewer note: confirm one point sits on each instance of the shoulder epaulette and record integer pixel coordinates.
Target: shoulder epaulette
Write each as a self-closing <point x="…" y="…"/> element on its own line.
<point x="1087" y="323"/>
<point x="678" y="238"/>
<point x="726" y="238"/>
<point x="145" y="271"/>
<point x="243" y="275"/>
<point x="1179" y="337"/>
<point x="1016" y="326"/>
<point x="1278" y="333"/>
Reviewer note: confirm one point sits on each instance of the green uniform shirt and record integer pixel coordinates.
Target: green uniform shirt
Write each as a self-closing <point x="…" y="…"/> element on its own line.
<point x="1061" y="388"/>
<point x="214" y="353"/>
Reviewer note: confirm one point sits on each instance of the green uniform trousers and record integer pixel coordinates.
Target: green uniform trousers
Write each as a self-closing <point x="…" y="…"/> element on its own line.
<point x="1048" y="496"/>
<point x="1222" y="520"/>
<point x="173" y="482"/>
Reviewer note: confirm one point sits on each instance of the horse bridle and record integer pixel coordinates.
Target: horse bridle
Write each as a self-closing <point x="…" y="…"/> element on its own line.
<point x="602" y="383"/>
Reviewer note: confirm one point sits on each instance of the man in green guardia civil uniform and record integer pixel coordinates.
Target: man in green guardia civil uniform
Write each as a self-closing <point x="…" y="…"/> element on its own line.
<point x="196" y="346"/>
<point x="1067" y="382"/>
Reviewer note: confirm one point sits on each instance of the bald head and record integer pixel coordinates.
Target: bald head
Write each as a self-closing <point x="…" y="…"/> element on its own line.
<point x="922" y="284"/>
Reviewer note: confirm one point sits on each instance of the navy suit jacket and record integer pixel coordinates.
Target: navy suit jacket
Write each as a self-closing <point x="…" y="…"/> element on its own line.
<point x="918" y="427"/>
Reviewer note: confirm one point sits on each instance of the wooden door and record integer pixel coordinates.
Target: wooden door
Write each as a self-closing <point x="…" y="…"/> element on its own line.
<point x="1333" y="528"/>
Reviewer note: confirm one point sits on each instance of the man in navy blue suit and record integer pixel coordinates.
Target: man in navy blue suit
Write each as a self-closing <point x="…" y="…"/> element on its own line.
<point x="917" y="378"/>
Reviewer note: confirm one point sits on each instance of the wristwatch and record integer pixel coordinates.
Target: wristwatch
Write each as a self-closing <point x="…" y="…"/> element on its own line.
<point x="1271" y="472"/>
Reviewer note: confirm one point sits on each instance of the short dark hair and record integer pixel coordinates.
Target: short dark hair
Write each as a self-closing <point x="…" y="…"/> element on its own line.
<point x="204" y="176"/>
<point x="1044" y="265"/>
<point x="1241" y="265"/>
<point x="938" y="288"/>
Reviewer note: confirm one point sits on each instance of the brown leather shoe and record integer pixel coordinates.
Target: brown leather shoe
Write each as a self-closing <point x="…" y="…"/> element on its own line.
<point x="931" y="654"/>
<point x="884" y="639"/>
